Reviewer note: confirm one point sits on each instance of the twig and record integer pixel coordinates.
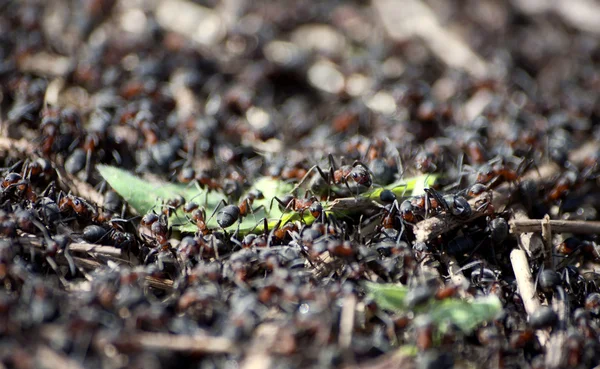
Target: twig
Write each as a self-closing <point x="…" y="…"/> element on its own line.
<point x="409" y="18"/>
<point x="431" y="228"/>
<point x="547" y="237"/>
<point x="75" y="247"/>
<point x="95" y="249"/>
<point x="178" y="343"/>
<point x="456" y="275"/>
<point x="530" y="242"/>
<point x="86" y="264"/>
<point x="581" y="14"/>
<point x="520" y="265"/>
<point x="558" y="226"/>
<point x="49" y="359"/>
<point x="555" y="353"/>
<point x="78" y="187"/>
<point x="200" y="24"/>
<point x="46" y="64"/>
<point x="347" y="321"/>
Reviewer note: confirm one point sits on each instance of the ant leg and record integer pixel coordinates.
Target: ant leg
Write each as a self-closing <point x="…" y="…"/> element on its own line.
<point x="402" y="229"/>
<point x="238" y="243"/>
<point x="214" y="247"/>
<point x="88" y="164"/>
<point x="257" y="209"/>
<point x="332" y="164"/>
<point x="270" y="238"/>
<point x="284" y="206"/>
<point x="147" y="258"/>
<point x="475" y="250"/>
<point x="459" y="169"/>
<point x="304" y="178"/>
<point x="219" y="204"/>
<point x="265" y="225"/>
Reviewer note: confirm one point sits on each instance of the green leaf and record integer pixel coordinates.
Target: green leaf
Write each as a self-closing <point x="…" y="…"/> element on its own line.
<point x="388" y="296"/>
<point x="253" y="222"/>
<point x="413" y="186"/>
<point x="143" y="195"/>
<point x="466" y="315"/>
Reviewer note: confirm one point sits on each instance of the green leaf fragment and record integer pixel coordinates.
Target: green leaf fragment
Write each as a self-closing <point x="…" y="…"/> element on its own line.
<point x="466" y="315"/>
<point x="143" y="195"/>
<point x="388" y="296"/>
<point x="413" y="186"/>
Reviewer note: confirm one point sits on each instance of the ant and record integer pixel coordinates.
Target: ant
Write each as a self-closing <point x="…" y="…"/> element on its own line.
<point x="21" y="185"/>
<point x="358" y="172"/>
<point x="497" y="170"/>
<point x="230" y="214"/>
<point x="199" y="218"/>
<point x="171" y="205"/>
<point x="312" y="204"/>
<point x="563" y="185"/>
<point x="76" y="204"/>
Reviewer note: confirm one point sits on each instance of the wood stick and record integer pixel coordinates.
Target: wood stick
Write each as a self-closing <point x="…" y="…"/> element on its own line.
<point x="518" y="226"/>
<point x="47" y="358"/>
<point x="431" y="228"/>
<point x="529" y="242"/>
<point x="547" y="237"/>
<point x="178" y="343"/>
<point x="95" y="249"/>
<point x="75" y="247"/>
<point x="520" y="265"/>
<point x="347" y="321"/>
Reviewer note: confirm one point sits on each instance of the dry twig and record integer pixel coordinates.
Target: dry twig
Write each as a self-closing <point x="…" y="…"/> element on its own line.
<point x="80" y="188"/>
<point x="179" y="343"/>
<point x="547" y="237"/>
<point x="347" y="321"/>
<point x="408" y="18"/>
<point x="433" y="227"/>
<point x="519" y="226"/>
<point x="520" y="265"/>
<point x="47" y="358"/>
<point x="530" y="242"/>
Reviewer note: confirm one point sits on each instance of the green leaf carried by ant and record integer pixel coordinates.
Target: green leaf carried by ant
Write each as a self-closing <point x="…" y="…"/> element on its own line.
<point x="262" y="209"/>
<point x="145" y="196"/>
<point x="464" y="314"/>
<point x="370" y="200"/>
<point x="413" y="186"/>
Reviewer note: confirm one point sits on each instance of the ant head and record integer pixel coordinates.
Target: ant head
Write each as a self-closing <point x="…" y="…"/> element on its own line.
<point x="360" y="174"/>
<point x="316" y="209"/>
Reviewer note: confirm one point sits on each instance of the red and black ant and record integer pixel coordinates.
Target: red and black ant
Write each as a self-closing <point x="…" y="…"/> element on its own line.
<point x="358" y="172"/>
<point x="230" y="214"/>
<point x="76" y="205"/>
<point x="312" y="204"/>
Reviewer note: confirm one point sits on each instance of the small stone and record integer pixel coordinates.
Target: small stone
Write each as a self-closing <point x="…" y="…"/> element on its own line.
<point x="324" y="76"/>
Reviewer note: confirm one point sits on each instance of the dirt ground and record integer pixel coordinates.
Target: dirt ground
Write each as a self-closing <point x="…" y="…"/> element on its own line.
<point x="416" y="160"/>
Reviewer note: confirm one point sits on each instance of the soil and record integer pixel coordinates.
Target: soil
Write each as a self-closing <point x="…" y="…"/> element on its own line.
<point x="493" y="105"/>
